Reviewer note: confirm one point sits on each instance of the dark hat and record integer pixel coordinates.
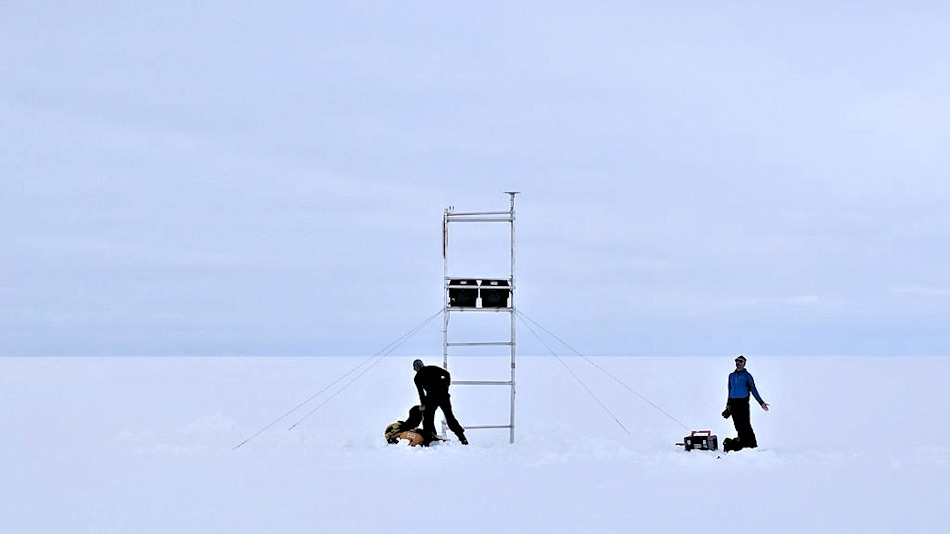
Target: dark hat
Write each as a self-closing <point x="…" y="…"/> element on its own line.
<point x="417" y="364"/>
<point x="741" y="358"/>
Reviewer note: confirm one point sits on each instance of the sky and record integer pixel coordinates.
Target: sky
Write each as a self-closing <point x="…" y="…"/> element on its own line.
<point x="233" y="178"/>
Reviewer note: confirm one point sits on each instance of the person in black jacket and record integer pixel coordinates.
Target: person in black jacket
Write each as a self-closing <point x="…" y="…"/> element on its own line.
<point x="433" y="383"/>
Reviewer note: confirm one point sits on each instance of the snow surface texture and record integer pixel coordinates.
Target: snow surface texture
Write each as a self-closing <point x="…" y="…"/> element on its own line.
<point x="145" y="445"/>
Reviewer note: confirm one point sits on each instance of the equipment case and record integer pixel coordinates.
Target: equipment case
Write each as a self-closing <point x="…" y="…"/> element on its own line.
<point x="702" y="440"/>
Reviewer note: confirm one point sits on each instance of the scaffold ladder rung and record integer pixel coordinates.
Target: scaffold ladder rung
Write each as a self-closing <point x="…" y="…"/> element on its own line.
<point x="478" y="344"/>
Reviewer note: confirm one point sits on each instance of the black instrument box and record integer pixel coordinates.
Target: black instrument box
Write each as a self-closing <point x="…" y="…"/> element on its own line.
<point x="703" y="440"/>
<point x="463" y="293"/>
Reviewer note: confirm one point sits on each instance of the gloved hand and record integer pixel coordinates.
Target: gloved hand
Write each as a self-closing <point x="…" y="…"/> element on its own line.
<point x="726" y="413"/>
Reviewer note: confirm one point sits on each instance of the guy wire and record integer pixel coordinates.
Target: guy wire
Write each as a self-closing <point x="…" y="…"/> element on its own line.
<point x="569" y="370"/>
<point x="357" y="377"/>
<point x="588" y="360"/>
<point x="390" y="347"/>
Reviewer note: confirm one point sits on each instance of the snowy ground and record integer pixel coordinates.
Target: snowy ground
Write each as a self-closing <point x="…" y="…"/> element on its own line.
<point x="115" y="445"/>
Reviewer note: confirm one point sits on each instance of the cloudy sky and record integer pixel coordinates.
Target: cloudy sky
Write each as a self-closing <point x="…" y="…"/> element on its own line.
<point x="269" y="178"/>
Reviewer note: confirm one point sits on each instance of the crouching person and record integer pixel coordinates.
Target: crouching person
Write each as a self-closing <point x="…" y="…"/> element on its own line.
<point x="407" y="430"/>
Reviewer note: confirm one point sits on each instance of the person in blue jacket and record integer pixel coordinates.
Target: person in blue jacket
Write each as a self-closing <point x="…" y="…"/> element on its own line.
<point x="740" y="386"/>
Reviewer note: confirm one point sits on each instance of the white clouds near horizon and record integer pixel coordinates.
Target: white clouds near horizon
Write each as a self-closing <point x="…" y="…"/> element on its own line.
<point x="273" y="175"/>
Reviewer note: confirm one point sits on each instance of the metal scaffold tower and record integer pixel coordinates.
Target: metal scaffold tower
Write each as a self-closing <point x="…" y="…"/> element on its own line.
<point x="466" y="295"/>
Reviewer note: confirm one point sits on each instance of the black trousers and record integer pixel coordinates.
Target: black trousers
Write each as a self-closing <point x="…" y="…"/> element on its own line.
<point x="443" y="402"/>
<point x="415" y="417"/>
<point x="740" y="418"/>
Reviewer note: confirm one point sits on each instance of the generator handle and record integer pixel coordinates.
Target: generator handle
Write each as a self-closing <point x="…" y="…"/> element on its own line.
<point x="694" y="432"/>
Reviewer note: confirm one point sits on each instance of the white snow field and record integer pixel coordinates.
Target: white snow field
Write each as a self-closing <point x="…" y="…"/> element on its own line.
<point x="145" y="445"/>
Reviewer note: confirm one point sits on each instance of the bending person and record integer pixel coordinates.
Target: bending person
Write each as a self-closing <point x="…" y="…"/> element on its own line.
<point x="433" y="383"/>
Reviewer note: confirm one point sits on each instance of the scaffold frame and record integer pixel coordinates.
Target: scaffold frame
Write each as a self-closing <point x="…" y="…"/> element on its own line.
<point x="450" y="216"/>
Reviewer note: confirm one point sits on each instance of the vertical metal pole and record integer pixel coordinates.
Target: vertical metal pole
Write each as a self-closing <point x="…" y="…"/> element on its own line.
<point x="445" y="286"/>
<point x="445" y="300"/>
<point x="511" y="421"/>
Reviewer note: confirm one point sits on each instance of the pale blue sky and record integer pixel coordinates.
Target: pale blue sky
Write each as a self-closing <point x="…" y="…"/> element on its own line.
<point x="248" y="178"/>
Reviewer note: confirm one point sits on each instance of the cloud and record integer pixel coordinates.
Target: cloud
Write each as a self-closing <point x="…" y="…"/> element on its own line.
<point x="800" y="300"/>
<point x="804" y="299"/>
<point x="922" y="290"/>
